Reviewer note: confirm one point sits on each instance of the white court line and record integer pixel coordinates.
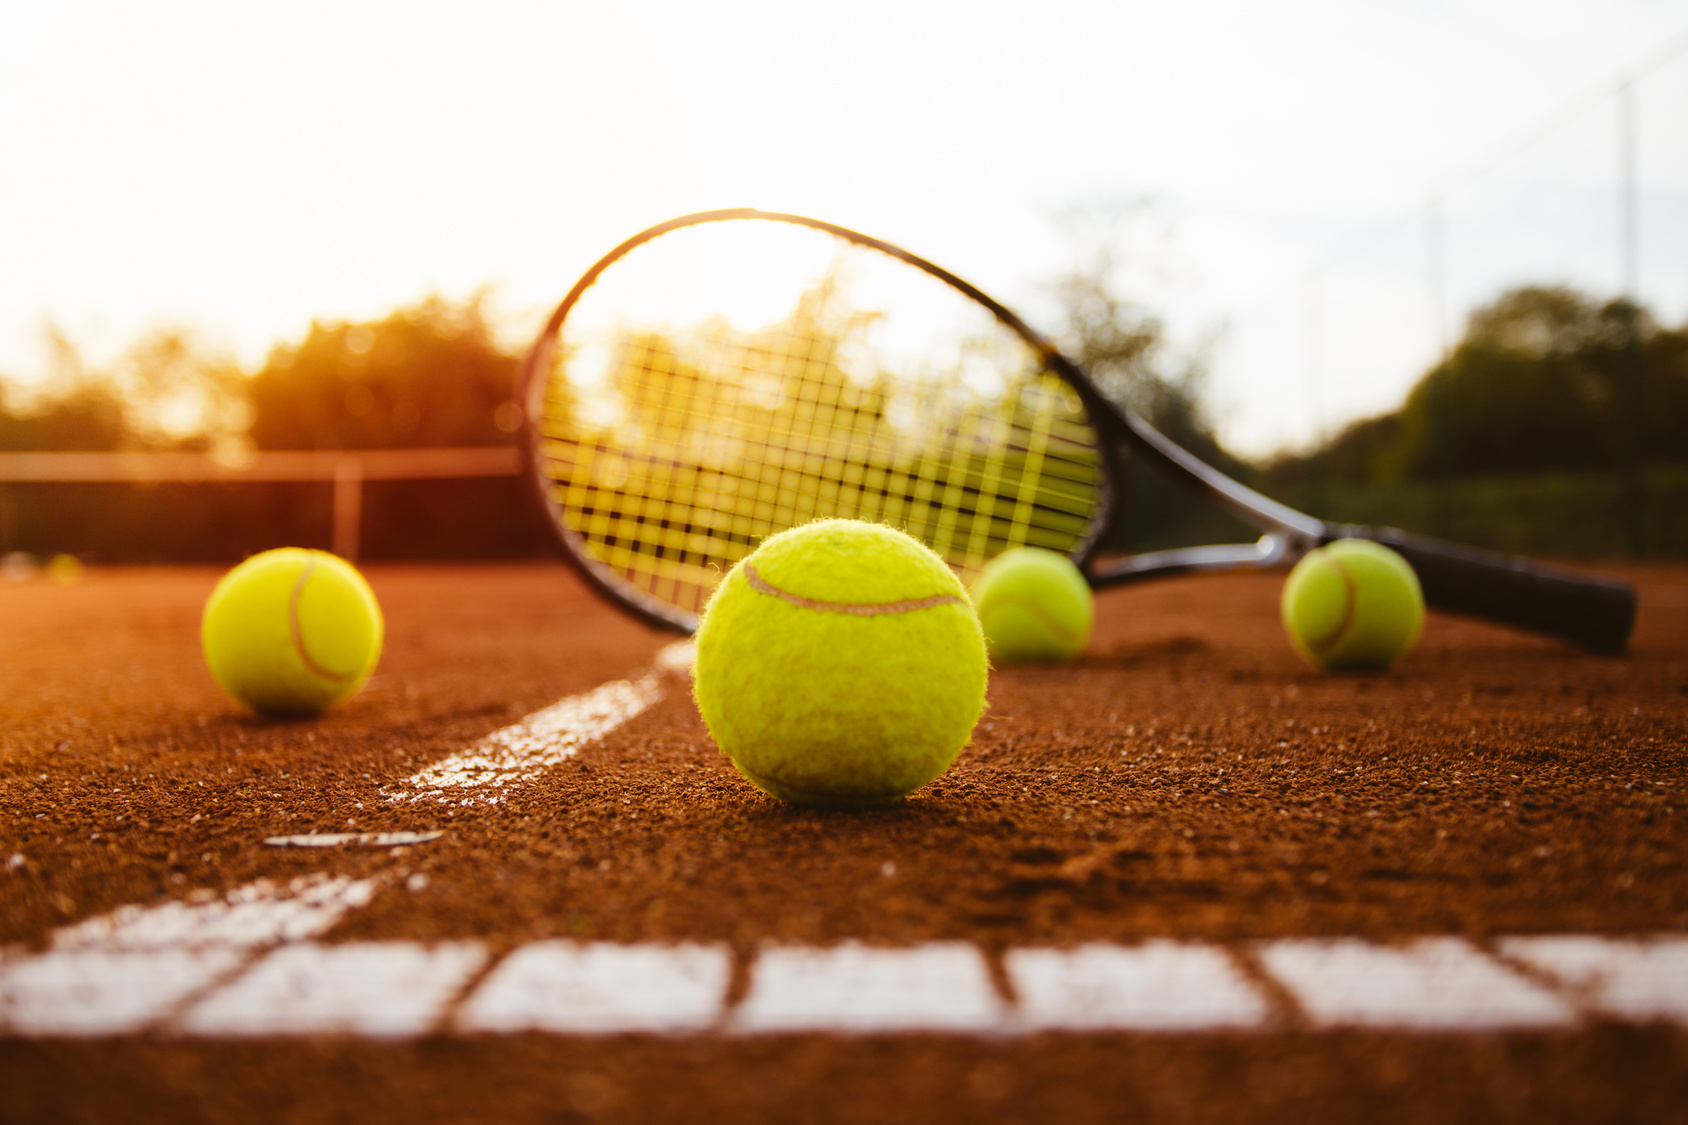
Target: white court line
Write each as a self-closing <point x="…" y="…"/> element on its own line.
<point x="96" y="980"/>
<point x="353" y="839"/>
<point x="258" y="914"/>
<point x="382" y="989"/>
<point x="562" y="987"/>
<point x="127" y="970"/>
<point x="1640" y="979"/>
<point x="1440" y="984"/>
<point x="407" y="988"/>
<point x="130" y="969"/>
<point x="1156" y="986"/>
<point x="90" y="992"/>
<point x="943" y="986"/>
<point x="517" y="754"/>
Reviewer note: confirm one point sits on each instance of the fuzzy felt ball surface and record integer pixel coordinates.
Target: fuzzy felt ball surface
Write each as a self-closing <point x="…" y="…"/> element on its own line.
<point x="841" y="664"/>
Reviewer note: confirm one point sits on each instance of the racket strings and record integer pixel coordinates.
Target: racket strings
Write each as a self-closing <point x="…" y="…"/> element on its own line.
<point x="690" y="446"/>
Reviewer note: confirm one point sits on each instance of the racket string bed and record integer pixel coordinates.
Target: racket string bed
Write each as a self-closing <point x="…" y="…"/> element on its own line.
<point x="695" y="443"/>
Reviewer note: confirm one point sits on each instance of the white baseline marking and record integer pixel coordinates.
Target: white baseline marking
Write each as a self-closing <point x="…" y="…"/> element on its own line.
<point x="88" y="992"/>
<point x="520" y="753"/>
<point x="1640" y="979"/>
<point x="943" y="986"/>
<point x="1440" y="984"/>
<point x="404" y="988"/>
<point x="126" y="970"/>
<point x="385" y="989"/>
<point x="558" y="986"/>
<point x="1156" y="986"/>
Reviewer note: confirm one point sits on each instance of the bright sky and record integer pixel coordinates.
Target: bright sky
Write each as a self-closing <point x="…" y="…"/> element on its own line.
<point x="246" y="167"/>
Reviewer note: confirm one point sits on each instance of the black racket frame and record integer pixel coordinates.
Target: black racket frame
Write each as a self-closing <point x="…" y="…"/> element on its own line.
<point x="1594" y="612"/>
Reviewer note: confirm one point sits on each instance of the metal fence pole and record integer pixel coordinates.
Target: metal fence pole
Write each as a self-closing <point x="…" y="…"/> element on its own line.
<point x="1436" y="248"/>
<point x="1631" y="454"/>
<point x="1312" y="336"/>
<point x="348" y="505"/>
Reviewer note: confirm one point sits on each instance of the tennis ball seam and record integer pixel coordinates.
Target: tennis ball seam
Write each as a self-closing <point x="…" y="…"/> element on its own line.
<point x="298" y="633"/>
<point x="871" y="609"/>
<point x="1350" y="598"/>
<point x="1064" y="632"/>
<point x="841" y="666"/>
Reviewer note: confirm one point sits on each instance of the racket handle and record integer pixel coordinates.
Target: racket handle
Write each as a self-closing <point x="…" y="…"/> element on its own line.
<point x="1595" y="613"/>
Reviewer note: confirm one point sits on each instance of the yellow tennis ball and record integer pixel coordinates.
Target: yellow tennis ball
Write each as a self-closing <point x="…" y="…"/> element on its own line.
<point x="291" y="631"/>
<point x="840" y="665"/>
<point x="66" y="570"/>
<point x="1352" y="606"/>
<point x="1035" y="606"/>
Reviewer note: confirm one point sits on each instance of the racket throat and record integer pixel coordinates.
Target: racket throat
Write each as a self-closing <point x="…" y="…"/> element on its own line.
<point x="1269" y="552"/>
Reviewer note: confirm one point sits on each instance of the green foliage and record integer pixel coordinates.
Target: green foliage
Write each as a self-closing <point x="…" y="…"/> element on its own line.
<point x="167" y="390"/>
<point x="427" y="375"/>
<point x="1534" y="424"/>
<point x="1125" y="349"/>
<point x="176" y="391"/>
<point x="430" y="374"/>
<point x="1562" y="514"/>
<point x="1128" y="353"/>
<point x="89" y="416"/>
<point x="1535" y="386"/>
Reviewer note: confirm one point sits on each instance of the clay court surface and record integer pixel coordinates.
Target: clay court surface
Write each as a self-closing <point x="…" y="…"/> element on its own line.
<point x="1187" y="789"/>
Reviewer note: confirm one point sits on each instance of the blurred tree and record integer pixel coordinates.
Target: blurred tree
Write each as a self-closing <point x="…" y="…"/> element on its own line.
<point x="427" y="375"/>
<point x="167" y="390"/>
<point x="87" y="417"/>
<point x="1530" y="387"/>
<point x="1122" y="343"/>
<point x="1127" y="349"/>
<point x="75" y="409"/>
<point x="1533" y="386"/>
<point x="178" y="392"/>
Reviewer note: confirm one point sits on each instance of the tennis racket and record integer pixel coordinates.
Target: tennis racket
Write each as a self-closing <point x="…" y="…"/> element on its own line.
<point x="729" y="374"/>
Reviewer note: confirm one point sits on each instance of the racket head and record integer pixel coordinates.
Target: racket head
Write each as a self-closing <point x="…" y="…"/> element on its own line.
<point x="726" y="375"/>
